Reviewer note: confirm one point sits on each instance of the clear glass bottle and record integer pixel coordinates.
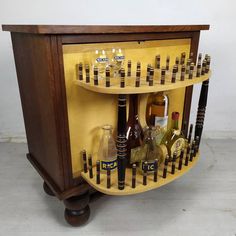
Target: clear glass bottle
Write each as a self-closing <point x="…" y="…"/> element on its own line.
<point x="101" y="61"/>
<point x="157" y="113"/>
<point x="107" y="152"/>
<point x="116" y="61"/>
<point x="174" y="138"/>
<point x="149" y="150"/>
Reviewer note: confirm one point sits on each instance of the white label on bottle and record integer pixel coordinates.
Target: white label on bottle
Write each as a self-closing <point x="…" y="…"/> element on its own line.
<point x="177" y="146"/>
<point x="161" y="121"/>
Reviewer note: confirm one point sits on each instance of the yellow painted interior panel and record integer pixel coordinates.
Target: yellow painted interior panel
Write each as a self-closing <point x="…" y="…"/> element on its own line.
<point x="89" y="111"/>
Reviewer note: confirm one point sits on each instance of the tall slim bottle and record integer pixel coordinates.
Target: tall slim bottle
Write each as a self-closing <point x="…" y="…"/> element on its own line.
<point x="134" y="132"/>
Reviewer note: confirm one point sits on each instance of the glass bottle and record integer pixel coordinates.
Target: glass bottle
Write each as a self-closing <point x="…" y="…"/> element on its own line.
<point x="107" y="152"/>
<point x="101" y="61"/>
<point x="157" y="113"/>
<point x="134" y="132"/>
<point x="149" y="151"/>
<point x="116" y="59"/>
<point x="174" y="138"/>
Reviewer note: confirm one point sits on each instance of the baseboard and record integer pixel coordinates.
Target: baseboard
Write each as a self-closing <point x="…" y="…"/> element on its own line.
<point x="206" y="135"/>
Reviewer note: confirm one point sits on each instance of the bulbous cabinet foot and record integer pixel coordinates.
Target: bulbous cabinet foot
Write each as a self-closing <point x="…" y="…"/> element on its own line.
<point x="47" y="190"/>
<point x="77" y="210"/>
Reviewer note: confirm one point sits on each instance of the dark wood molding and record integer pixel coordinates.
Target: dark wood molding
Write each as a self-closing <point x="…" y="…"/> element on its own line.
<point x="189" y="90"/>
<point x="74" y="191"/>
<point x="101" y="29"/>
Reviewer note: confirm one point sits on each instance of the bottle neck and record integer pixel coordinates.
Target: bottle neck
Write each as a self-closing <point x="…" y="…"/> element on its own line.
<point x="175" y="124"/>
<point x="133" y="107"/>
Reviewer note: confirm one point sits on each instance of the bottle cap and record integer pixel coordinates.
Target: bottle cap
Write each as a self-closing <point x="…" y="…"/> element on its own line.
<point x="175" y="115"/>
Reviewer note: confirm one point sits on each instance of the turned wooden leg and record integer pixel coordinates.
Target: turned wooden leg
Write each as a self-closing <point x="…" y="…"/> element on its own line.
<point x="47" y="190"/>
<point x="77" y="210"/>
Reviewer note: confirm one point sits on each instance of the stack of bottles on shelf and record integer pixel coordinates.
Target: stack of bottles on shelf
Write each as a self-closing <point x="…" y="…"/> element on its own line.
<point x="105" y="69"/>
<point x="153" y="148"/>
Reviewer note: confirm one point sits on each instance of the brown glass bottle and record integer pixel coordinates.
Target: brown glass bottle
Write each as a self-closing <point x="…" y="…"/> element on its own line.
<point x="134" y="132"/>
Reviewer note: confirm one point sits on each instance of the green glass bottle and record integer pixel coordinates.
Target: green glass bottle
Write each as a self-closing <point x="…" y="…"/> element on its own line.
<point x="174" y="139"/>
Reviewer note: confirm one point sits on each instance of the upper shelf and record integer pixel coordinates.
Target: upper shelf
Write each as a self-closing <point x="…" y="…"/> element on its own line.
<point x="144" y="87"/>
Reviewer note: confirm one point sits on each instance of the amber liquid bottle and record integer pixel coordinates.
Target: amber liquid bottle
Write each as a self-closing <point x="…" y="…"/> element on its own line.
<point x="174" y="138"/>
<point x="157" y="113"/>
<point x="134" y="132"/>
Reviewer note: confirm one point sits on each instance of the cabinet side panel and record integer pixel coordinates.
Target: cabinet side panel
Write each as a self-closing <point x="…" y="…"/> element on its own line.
<point x="35" y="78"/>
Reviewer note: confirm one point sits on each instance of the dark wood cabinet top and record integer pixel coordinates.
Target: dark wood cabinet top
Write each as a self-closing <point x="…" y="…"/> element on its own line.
<point x="101" y="29"/>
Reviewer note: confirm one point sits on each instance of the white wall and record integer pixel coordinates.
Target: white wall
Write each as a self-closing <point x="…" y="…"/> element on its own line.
<point x="219" y="42"/>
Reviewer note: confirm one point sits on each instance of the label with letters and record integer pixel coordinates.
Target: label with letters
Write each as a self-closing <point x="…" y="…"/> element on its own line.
<point x="108" y="165"/>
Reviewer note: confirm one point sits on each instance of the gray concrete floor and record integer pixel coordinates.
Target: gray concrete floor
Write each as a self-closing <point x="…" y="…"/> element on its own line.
<point x="202" y="202"/>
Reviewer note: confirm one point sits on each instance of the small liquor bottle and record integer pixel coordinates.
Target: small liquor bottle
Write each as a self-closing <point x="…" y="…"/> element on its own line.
<point x="134" y="131"/>
<point x="95" y="73"/>
<point x="151" y="75"/>
<point x="138" y="73"/>
<point x="177" y="64"/>
<point x="157" y="112"/>
<point x="129" y="68"/>
<point x="122" y="78"/>
<point x="87" y="73"/>
<point x="107" y="150"/>
<point x="188" y="66"/>
<point x="173" y="138"/>
<point x="182" y="76"/>
<point x="174" y="71"/>
<point x="182" y="59"/>
<point x="107" y="77"/>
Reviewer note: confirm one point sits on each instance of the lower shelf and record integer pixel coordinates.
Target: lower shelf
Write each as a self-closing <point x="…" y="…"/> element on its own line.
<point x="139" y="180"/>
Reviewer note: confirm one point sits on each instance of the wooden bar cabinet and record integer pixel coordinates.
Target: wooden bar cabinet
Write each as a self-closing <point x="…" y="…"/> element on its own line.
<point x="62" y="114"/>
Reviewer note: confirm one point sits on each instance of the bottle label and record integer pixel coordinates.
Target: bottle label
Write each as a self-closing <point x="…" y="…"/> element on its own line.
<point x="150" y="166"/>
<point x="102" y="59"/>
<point x="161" y="121"/>
<point x="177" y="146"/>
<point x="119" y="58"/>
<point x="108" y="165"/>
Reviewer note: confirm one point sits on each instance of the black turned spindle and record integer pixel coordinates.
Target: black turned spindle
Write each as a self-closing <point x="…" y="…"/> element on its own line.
<point x="165" y="167"/>
<point x="192" y="151"/>
<point x="137" y="80"/>
<point x="208" y="62"/>
<point x="182" y="59"/>
<point x="148" y="72"/>
<point x="122" y="78"/>
<point x="98" y="172"/>
<point x="90" y="163"/>
<point x="174" y="71"/>
<point x="134" y="171"/>
<point x="203" y="67"/>
<point x="190" y="133"/>
<point x="151" y="75"/>
<point x="129" y="68"/>
<point x="181" y="157"/>
<point x="191" y="71"/>
<point x="80" y="71"/>
<point x="108" y="178"/>
<point x="182" y="76"/>
<point x="177" y="64"/>
<point x="187" y="156"/>
<point x="163" y="75"/>
<point x="108" y="77"/>
<point x="87" y="73"/>
<point x="84" y="161"/>
<point x="155" y="174"/>
<point x="95" y="74"/>
<point x="173" y="163"/>
<point x="201" y="110"/>
<point x="158" y="61"/>
<point x="121" y="141"/>
<point x="198" y="74"/>
<point x="167" y="63"/>
<point x="188" y="66"/>
<point x="196" y="148"/>
<point x="145" y="168"/>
